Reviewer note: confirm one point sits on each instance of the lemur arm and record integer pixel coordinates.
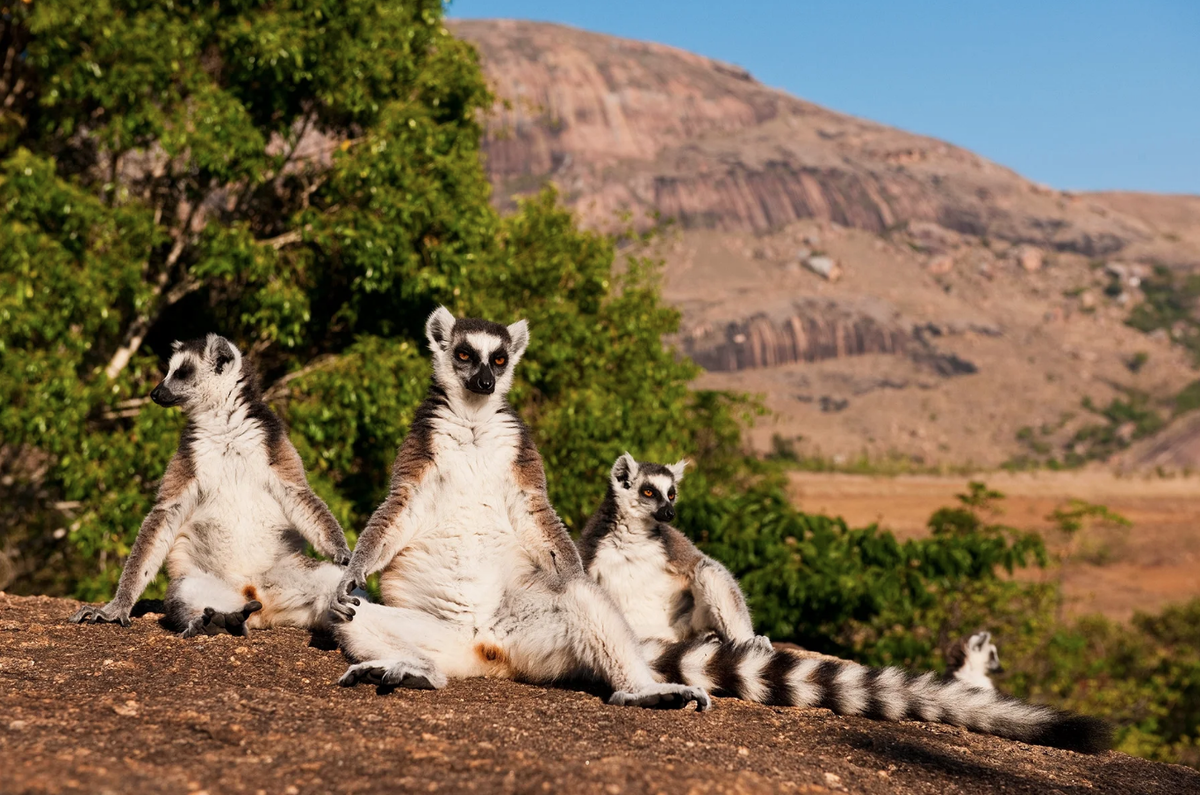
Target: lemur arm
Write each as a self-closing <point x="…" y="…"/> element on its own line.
<point x="387" y="531"/>
<point x="177" y="499"/>
<point x="307" y="512"/>
<point x="541" y="531"/>
<point x="718" y="595"/>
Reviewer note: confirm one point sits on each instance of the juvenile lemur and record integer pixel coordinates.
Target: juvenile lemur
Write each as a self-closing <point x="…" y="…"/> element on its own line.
<point x="479" y="575"/>
<point x="693" y="625"/>
<point x="667" y="589"/>
<point x="233" y="512"/>
<point x="973" y="660"/>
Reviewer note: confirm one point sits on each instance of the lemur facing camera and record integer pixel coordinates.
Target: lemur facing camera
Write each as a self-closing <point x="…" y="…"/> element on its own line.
<point x="233" y="512"/>
<point x="973" y="660"/>
<point x="667" y="589"/>
<point x="695" y="629"/>
<point x="479" y="575"/>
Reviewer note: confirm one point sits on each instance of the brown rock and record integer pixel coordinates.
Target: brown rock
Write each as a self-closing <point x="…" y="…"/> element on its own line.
<point x="941" y="265"/>
<point x="1029" y="258"/>
<point x="825" y="267"/>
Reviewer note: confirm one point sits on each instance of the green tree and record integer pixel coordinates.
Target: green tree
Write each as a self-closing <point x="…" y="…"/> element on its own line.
<point x="303" y="177"/>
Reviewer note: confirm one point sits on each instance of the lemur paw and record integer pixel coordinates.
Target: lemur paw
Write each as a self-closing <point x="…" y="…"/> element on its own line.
<point x="760" y="643"/>
<point x="387" y="674"/>
<point x="210" y="622"/>
<point x="341" y="557"/>
<point x="91" y="614"/>
<point x="341" y="609"/>
<point x="662" y="696"/>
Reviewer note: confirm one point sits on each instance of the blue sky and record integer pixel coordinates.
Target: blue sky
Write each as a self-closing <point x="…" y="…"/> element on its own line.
<point x="1082" y="94"/>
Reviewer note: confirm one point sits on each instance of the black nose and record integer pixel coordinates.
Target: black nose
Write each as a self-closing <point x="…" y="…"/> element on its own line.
<point x="483" y="382"/>
<point x="163" y="396"/>
<point x="665" y="514"/>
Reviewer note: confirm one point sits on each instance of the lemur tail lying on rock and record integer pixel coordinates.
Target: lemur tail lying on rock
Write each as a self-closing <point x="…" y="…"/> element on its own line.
<point x="234" y="510"/>
<point x="973" y="660"/>
<point x="697" y="632"/>
<point x="480" y="577"/>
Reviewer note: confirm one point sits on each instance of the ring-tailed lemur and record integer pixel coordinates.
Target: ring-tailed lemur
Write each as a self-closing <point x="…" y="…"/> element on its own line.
<point x="480" y="577"/>
<point x="233" y="511"/>
<point x="667" y="589"/>
<point x="651" y="571"/>
<point x="972" y="661"/>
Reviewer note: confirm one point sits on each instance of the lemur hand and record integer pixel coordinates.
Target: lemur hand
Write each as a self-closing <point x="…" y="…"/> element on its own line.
<point x="343" y="604"/>
<point x="111" y="613"/>
<point x="341" y="557"/>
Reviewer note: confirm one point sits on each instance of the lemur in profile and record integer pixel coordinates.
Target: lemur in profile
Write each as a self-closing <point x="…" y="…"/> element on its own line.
<point x="695" y="629"/>
<point x="479" y="575"/>
<point x="972" y="661"/>
<point x="233" y="512"/>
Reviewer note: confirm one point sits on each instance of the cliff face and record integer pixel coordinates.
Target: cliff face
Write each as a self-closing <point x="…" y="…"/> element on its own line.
<point x="627" y="125"/>
<point x="939" y="302"/>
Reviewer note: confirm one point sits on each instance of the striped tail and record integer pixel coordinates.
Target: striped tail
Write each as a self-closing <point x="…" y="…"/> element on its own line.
<point x="783" y="678"/>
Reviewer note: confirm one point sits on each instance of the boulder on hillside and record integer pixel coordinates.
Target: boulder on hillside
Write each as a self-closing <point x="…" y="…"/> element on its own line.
<point x="825" y="267"/>
<point x="1028" y="257"/>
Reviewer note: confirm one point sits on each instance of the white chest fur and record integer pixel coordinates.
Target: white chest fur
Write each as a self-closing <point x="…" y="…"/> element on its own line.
<point x="632" y="568"/>
<point x="237" y="527"/>
<point x="463" y="550"/>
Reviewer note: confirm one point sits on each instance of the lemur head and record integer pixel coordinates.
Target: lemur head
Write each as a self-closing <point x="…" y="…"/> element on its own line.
<point x="646" y="492"/>
<point x="474" y="359"/>
<point x="201" y="372"/>
<point x="976" y="655"/>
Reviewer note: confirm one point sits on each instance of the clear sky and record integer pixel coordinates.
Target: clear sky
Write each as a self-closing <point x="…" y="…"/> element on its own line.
<point x="1082" y="94"/>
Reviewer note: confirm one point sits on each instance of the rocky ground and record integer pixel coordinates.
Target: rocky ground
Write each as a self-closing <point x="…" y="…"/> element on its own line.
<point x="106" y="709"/>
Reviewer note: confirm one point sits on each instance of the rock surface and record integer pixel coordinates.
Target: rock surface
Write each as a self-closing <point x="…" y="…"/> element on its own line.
<point x="630" y="125"/>
<point x="106" y="709"/>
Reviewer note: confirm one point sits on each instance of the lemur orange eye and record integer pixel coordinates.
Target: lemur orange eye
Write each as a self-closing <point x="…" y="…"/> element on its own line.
<point x="499" y="361"/>
<point x="463" y="356"/>
<point x="648" y="492"/>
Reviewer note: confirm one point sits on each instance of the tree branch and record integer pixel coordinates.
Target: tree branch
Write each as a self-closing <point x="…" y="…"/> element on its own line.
<point x="286" y="239"/>
<point x="279" y="389"/>
<point x="136" y="332"/>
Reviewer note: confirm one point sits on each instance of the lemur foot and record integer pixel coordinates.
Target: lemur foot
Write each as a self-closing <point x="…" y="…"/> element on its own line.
<point x="760" y="643"/>
<point x="391" y="674"/>
<point x="91" y="614"/>
<point x="662" y="696"/>
<point x="210" y="622"/>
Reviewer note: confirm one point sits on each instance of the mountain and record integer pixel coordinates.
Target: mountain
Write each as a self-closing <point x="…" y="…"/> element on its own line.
<point x="889" y="294"/>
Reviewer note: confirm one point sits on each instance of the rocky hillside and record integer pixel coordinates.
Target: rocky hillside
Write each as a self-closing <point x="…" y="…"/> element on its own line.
<point x="106" y="709"/>
<point x="889" y="294"/>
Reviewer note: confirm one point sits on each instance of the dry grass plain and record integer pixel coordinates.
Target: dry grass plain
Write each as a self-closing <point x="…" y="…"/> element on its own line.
<point x="1113" y="571"/>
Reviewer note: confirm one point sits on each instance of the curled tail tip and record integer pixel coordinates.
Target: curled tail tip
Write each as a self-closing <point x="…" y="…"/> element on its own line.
<point x="1082" y="733"/>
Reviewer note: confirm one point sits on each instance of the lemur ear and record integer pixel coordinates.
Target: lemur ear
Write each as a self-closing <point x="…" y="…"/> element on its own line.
<point x="677" y="469"/>
<point x="176" y="345"/>
<point x="221" y="352"/>
<point x="976" y="641"/>
<point x="624" y="470"/>
<point x="519" y="332"/>
<point x="438" y="328"/>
